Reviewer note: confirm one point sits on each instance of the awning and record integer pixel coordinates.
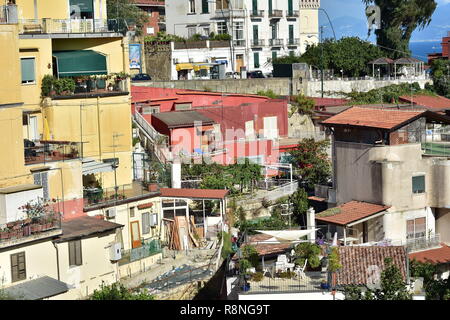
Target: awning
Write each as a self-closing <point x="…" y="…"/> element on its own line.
<point x="92" y="166"/>
<point x="184" y="66"/>
<point x="222" y="61"/>
<point x="80" y="63"/>
<point x="286" y="235"/>
<point x="198" y="67"/>
<point x="37" y="289"/>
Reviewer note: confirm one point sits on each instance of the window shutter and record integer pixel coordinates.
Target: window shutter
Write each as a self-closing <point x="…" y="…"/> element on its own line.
<point x="255" y="6"/>
<point x="255" y="33"/>
<point x="256" y="59"/>
<point x="270" y="6"/>
<point x="27" y="68"/>
<point x="274" y="55"/>
<point x="205" y="8"/>
<point x="291" y="34"/>
<point x="420" y="227"/>
<point x="145" y="223"/>
<point x="290" y="7"/>
<point x="18" y="267"/>
<point x="79" y="260"/>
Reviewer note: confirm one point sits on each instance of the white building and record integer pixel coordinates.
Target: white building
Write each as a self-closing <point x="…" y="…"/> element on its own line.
<point x="260" y="29"/>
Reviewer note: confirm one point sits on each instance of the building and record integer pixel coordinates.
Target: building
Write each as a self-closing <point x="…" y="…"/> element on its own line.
<point x="445" y="53"/>
<point x="389" y="170"/>
<point x="155" y="10"/>
<point x="260" y="30"/>
<point x="433" y="103"/>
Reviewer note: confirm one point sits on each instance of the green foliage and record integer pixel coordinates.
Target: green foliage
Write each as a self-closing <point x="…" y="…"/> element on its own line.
<point x="161" y="36"/>
<point x="388" y="94"/>
<point x="333" y="260"/>
<point x="392" y="286"/>
<point x="310" y="160"/>
<point x="226" y="249"/>
<point x="117" y="291"/>
<point x="196" y="37"/>
<point x="399" y="19"/>
<point x="244" y="264"/>
<point x="303" y="105"/>
<point x="220" y="37"/>
<point x="422" y="269"/>
<point x="438" y="289"/>
<point x="257" y="276"/>
<point x="62" y="85"/>
<point x="310" y="251"/>
<point x="299" y="200"/>
<point x="440" y="73"/>
<point x="240" y="213"/>
<point x="273" y="223"/>
<point x="126" y="11"/>
<point x="286" y="275"/>
<point x="268" y="93"/>
<point x="249" y="253"/>
<point x="350" y="54"/>
<point x="46" y="85"/>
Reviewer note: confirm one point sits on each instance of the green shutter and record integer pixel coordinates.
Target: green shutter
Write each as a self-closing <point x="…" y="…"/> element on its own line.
<point x="205" y="8"/>
<point x="27" y="66"/>
<point x="270" y="7"/>
<point x="80" y="63"/>
<point x="255" y="33"/>
<point x="291" y="34"/>
<point x="256" y="59"/>
<point x="274" y="55"/>
<point x="255" y="6"/>
<point x="84" y="5"/>
<point x="274" y="31"/>
<point x="290" y="8"/>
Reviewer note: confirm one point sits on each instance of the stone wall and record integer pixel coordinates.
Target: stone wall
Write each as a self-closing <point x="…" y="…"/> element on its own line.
<point x="158" y="60"/>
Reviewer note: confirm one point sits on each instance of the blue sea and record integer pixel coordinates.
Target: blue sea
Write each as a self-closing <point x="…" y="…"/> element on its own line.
<point x="420" y="50"/>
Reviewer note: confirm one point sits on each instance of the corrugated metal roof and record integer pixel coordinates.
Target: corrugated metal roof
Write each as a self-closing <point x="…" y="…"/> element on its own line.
<point x="179" y="119"/>
<point x="37" y="289"/>
<point x="84" y="227"/>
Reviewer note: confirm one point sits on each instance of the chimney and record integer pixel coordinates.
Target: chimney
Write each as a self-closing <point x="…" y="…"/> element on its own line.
<point x="311" y="223"/>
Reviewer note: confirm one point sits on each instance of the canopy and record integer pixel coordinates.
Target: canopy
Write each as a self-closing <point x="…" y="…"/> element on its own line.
<point x="80" y="63"/>
<point x="287" y="235"/>
<point x="184" y="66"/>
<point x="205" y="66"/>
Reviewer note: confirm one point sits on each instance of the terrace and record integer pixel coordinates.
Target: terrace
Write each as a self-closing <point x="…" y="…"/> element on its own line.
<point x="149" y="248"/>
<point x="50" y="151"/>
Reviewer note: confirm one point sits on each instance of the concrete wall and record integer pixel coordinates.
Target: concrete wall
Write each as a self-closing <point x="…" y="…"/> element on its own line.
<point x="251" y="86"/>
<point x="313" y="89"/>
<point x="443" y="224"/>
<point x="158" y="61"/>
<point x="293" y="296"/>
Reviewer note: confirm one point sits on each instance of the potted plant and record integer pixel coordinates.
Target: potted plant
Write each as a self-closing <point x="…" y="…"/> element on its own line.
<point x="324" y="285"/>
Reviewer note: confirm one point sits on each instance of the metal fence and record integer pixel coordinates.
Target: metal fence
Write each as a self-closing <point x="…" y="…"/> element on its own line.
<point x="284" y="190"/>
<point x="149" y="248"/>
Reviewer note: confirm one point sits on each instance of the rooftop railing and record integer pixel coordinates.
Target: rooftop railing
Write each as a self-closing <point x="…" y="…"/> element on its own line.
<point x="149" y="248"/>
<point x="50" y="26"/>
<point x="50" y="151"/>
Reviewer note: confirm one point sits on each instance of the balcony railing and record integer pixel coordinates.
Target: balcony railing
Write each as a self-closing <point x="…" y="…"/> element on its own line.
<point x="275" y="42"/>
<point x="292" y="13"/>
<point x="108" y="196"/>
<point x="30" y="229"/>
<point x="293" y="42"/>
<point x="276" y="14"/>
<point x="149" y="248"/>
<point x="226" y="13"/>
<point x="239" y="43"/>
<point x="258" y="43"/>
<point x="51" y="26"/>
<point x="257" y="13"/>
<point x="50" y="151"/>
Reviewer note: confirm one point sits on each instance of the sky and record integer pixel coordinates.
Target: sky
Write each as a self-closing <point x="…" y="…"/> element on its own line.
<point x="348" y="18"/>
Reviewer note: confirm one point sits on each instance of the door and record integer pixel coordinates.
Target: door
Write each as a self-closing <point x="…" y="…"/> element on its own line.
<point x="291" y="34"/>
<point x="290" y="8"/>
<point x="33" y="129"/>
<point x="255" y="35"/>
<point x="135" y="235"/>
<point x="239" y="62"/>
<point x="270" y="128"/>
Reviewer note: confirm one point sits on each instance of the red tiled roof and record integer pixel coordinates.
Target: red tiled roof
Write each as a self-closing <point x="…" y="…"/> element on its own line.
<point x="194" y="193"/>
<point x="375" y="118"/>
<point x="349" y="212"/>
<point x="435" y="256"/>
<point x="360" y="264"/>
<point x="329" y="102"/>
<point x="432" y="102"/>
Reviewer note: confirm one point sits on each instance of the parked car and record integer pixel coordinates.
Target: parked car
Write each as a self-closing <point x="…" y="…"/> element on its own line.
<point x="141" y="77"/>
<point x="231" y="75"/>
<point x="255" y="74"/>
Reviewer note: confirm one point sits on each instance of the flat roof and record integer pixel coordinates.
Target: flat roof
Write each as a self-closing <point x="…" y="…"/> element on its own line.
<point x="19" y="188"/>
<point x="194" y="193"/>
<point x="179" y="119"/>
<point x="83" y="227"/>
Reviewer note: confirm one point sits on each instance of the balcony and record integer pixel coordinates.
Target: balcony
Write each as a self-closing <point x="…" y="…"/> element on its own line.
<point x="149" y="248"/>
<point x="97" y="197"/>
<point x="276" y="14"/>
<point x="292" y="14"/>
<point x="50" y="151"/>
<point x="69" y="26"/>
<point x="239" y="43"/>
<point x="275" y="42"/>
<point x="226" y="13"/>
<point x="293" y="42"/>
<point x="258" y="43"/>
<point x="30" y="229"/>
<point x="256" y="13"/>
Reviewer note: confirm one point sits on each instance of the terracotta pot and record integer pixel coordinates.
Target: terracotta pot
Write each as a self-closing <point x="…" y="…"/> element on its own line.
<point x="4" y="235"/>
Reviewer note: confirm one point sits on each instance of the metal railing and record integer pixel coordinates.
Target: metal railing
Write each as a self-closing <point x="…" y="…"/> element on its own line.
<point x="47" y="25"/>
<point x="226" y="13"/>
<point x="310" y="282"/>
<point x="275" y="13"/>
<point x="275" y="42"/>
<point x="149" y="248"/>
<point x="256" y="13"/>
<point x="258" y="42"/>
<point x="411" y="245"/>
<point x="51" y="151"/>
<point x="284" y="190"/>
<point x="239" y="43"/>
<point x="293" y="42"/>
<point x="292" y="13"/>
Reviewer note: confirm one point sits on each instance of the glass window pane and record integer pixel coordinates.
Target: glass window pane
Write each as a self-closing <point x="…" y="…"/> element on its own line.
<point x="418" y="184"/>
<point x="27" y="67"/>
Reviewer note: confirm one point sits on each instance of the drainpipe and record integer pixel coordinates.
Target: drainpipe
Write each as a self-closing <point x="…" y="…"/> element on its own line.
<point x="57" y="259"/>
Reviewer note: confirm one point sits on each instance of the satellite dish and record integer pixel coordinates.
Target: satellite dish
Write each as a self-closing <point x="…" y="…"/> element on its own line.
<point x="75" y="12"/>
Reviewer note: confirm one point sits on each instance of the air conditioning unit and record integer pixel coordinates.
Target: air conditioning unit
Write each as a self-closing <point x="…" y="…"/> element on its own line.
<point x="115" y="251"/>
<point x="111" y="213"/>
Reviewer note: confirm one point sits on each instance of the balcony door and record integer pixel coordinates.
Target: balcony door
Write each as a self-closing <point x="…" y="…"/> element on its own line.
<point x="33" y="132"/>
<point x="81" y="9"/>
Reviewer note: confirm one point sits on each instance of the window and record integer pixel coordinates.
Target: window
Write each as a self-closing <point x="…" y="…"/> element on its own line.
<point x="27" y="67"/>
<point x="256" y="59"/>
<point x="191" y="31"/>
<point x="290" y="7"/>
<point x="274" y="55"/>
<point x="154" y="220"/>
<point x="81" y="9"/>
<point x="18" y="267"/>
<point x="255" y="34"/>
<point x="222" y="4"/>
<point x="416" y="228"/>
<point x="205" y="8"/>
<point x="183" y="106"/>
<point x="145" y="223"/>
<point x="206" y="31"/>
<point x="41" y="179"/>
<point x="274" y="31"/>
<point x="75" y="258"/>
<point x="132" y="212"/>
<point x="222" y="28"/>
<point x="270" y="7"/>
<point x="239" y="31"/>
<point x="291" y="34"/>
<point x="150" y="110"/>
<point x="191" y="6"/>
<point x="418" y="184"/>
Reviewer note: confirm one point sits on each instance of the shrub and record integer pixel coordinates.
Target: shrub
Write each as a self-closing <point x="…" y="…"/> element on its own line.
<point x="286" y="275"/>
<point x="117" y="291"/>
<point x="258" y="276"/>
<point x="47" y="84"/>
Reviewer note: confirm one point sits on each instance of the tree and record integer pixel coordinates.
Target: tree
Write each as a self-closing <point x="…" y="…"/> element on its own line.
<point x="310" y="251"/>
<point x="117" y="291"/>
<point x="299" y="200"/>
<point x="440" y="73"/>
<point x="310" y="160"/>
<point x="399" y="18"/>
<point x="392" y="286"/>
<point x="126" y="11"/>
<point x="303" y="105"/>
